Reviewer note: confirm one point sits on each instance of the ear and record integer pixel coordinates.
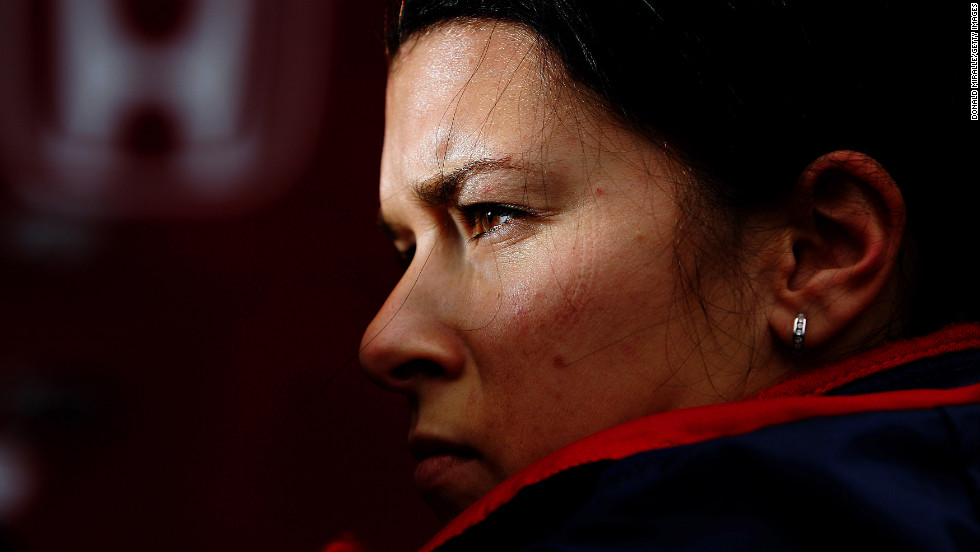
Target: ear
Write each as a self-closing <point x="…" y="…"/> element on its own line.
<point x="847" y="218"/>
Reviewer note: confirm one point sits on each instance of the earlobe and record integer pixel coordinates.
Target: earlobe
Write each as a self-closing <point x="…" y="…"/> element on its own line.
<point x="847" y="219"/>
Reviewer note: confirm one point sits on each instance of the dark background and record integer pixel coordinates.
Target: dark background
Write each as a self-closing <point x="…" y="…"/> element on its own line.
<point x="182" y="375"/>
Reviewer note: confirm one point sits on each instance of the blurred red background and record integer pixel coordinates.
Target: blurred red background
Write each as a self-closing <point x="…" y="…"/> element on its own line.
<point x="185" y="272"/>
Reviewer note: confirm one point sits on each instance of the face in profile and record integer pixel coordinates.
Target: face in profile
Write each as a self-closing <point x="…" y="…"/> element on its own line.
<point x="540" y="301"/>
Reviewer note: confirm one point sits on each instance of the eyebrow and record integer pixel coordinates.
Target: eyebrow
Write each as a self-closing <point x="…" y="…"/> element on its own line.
<point x="443" y="189"/>
<point x="440" y="190"/>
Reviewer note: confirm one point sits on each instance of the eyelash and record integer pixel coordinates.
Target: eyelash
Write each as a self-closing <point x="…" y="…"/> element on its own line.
<point x="478" y="218"/>
<point x="474" y="217"/>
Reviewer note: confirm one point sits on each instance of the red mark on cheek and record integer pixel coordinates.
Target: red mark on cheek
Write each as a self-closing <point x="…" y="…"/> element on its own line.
<point x="559" y="361"/>
<point x="598" y="191"/>
<point x="521" y="314"/>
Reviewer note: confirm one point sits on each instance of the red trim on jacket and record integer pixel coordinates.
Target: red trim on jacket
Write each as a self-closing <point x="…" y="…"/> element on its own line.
<point x="796" y="398"/>
<point x="951" y="339"/>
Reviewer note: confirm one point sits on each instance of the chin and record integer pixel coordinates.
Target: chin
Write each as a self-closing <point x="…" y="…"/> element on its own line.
<point x="447" y="502"/>
<point x="445" y="509"/>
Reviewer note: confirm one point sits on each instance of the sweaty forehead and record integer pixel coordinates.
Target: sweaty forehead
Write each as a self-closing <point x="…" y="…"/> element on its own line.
<point x="456" y="86"/>
<point x="456" y="53"/>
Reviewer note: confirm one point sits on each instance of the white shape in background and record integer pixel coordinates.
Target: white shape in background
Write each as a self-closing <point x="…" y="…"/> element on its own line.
<point x="17" y="480"/>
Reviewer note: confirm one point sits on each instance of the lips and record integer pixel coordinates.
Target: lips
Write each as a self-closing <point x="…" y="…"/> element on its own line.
<point x="441" y="462"/>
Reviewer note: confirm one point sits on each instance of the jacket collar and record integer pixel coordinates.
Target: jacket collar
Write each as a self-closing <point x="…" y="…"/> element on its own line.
<point x="797" y="397"/>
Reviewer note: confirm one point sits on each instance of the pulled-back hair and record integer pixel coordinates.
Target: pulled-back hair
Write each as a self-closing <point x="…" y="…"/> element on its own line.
<point x="753" y="91"/>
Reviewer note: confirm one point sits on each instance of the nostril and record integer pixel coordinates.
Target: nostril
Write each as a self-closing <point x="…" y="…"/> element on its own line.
<point x="417" y="367"/>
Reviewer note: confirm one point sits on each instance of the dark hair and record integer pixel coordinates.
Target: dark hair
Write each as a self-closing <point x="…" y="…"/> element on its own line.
<point x="753" y="91"/>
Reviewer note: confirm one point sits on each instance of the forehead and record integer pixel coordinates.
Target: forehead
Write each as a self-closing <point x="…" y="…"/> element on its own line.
<point x="455" y="53"/>
<point x="462" y="91"/>
<point x="453" y="60"/>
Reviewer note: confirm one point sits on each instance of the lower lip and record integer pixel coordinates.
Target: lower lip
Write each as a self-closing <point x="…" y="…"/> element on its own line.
<point x="436" y="471"/>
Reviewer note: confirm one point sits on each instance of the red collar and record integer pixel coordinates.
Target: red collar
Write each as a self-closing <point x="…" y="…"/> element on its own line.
<point x="950" y="339"/>
<point x="795" y="398"/>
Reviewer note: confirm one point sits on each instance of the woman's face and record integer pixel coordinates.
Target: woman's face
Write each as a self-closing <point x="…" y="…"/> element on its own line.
<point x="540" y="303"/>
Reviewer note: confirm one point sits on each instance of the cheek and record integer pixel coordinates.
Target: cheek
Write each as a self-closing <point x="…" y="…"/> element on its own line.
<point x="539" y="306"/>
<point x="573" y="302"/>
<point x="569" y="349"/>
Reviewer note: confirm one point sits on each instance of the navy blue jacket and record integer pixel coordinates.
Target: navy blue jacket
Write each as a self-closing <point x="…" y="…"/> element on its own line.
<point x="880" y="452"/>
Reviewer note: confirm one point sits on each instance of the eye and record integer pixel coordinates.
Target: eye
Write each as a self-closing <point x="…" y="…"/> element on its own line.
<point x="485" y="218"/>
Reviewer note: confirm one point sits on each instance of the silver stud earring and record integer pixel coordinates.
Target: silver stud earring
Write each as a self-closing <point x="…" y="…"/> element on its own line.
<point x="799" y="330"/>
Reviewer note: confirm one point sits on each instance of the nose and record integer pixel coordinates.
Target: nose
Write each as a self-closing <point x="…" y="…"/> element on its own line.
<point x="410" y="340"/>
